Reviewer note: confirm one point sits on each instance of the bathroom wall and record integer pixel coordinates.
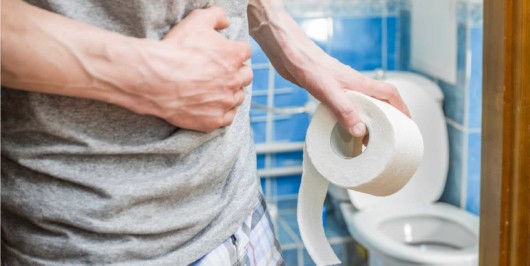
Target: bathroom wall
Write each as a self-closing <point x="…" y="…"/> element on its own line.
<point x="463" y="107"/>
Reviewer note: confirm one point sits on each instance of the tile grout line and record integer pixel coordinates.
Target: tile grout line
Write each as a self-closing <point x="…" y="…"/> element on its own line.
<point x="261" y="118"/>
<point x="284" y="90"/>
<point x="397" y="39"/>
<point x="463" y="184"/>
<point x="460" y="127"/>
<point x="268" y="131"/>
<point x="260" y="66"/>
<point x="300" y="256"/>
<point x="289" y="230"/>
<point x="384" y="37"/>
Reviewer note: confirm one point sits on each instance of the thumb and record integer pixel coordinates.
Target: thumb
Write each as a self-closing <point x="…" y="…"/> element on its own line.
<point x="347" y="115"/>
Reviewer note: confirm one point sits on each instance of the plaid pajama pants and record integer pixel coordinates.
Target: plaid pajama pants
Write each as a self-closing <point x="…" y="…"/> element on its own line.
<point x="254" y="243"/>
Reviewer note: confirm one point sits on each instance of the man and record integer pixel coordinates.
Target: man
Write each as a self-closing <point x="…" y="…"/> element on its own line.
<point x="125" y="128"/>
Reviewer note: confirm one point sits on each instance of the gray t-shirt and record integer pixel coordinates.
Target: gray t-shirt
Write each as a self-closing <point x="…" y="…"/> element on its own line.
<point x="85" y="182"/>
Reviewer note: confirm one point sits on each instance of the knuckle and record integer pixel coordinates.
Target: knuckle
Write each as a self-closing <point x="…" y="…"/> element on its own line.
<point x="391" y="88"/>
<point x="364" y="81"/>
<point x="219" y="11"/>
<point x="229" y="118"/>
<point x="240" y="53"/>
<point x="219" y="121"/>
<point x="209" y="128"/>
<point x="250" y="71"/>
<point x="248" y="74"/>
<point x="393" y="92"/>
<point x="234" y="83"/>
<point x="196" y="12"/>
<point x="213" y="125"/>
<point x="228" y="102"/>
<point x="239" y="98"/>
<point x="238" y="81"/>
<point x="345" y="111"/>
<point x="246" y="50"/>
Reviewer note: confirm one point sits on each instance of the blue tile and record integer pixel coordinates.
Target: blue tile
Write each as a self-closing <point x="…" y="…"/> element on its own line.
<point x="453" y="101"/>
<point x="292" y="129"/>
<point x="296" y="98"/>
<point x="317" y="29"/>
<point x="261" y="100"/>
<point x="290" y="257"/>
<point x="290" y="219"/>
<point x="335" y="227"/>
<point x="473" y="173"/>
<point x="262" y="182"/>
<point x="308" y="261"/>
<point x="475" y="79"/>
<point x="280" y="82"/>
<point x="453" y="186"/>
<point x="341" y="250"/>
<point x="258" y="56"/>
<point x="288" y="185"/>
<point x="347" y="253"/>
<point x="283" y="236"/>
<point x="391" y="42"/>
<point x="259" y="86"/>
<point x="287" y="159"/>
<point x="357" y="42"/>
<point x="258" y="132"/>
<point x="255" y="112"/>
<point x="260" y="160"/>
<point x="353" y="256"/>
<point x="461" y="53"/>
<point x="261" y="79"/>
<point x="287" y="205"/>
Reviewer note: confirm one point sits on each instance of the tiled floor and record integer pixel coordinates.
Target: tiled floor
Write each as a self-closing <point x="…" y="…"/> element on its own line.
<point x="293" y="249"/>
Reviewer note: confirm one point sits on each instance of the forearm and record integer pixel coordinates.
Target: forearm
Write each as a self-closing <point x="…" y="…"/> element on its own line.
<point x="49" y="53"/>
<point x="280" y="37"/>
<point x="193" y="78"/>
<point x="298" y="59"/>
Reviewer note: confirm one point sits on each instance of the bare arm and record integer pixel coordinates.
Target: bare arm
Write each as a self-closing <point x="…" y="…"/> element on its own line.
<point x="193" y="78"/>
<point x="302" y="62"/>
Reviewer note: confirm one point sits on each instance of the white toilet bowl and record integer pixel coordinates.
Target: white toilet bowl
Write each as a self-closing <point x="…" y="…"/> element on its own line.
<point x="426" y="234"/>
<point x="410" y="227"/>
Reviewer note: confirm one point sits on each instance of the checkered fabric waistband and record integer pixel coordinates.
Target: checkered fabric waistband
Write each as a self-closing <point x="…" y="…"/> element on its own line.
<point x="254" y="243"/>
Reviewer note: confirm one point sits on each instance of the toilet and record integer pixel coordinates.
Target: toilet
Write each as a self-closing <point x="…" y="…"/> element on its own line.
<point x="410" y="227"/>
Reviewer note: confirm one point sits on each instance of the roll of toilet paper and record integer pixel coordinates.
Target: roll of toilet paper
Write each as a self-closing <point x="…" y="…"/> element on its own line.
<point x="391" y="157"/>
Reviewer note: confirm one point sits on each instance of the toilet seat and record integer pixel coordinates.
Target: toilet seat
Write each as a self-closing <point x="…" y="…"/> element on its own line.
<point x="373" y="235"/>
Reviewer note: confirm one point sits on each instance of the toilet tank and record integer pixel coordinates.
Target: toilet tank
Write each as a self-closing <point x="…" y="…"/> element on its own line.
<point x="424" y="100"/>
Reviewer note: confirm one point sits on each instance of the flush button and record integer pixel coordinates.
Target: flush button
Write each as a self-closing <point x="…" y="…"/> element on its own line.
<point x="379" y="74"/>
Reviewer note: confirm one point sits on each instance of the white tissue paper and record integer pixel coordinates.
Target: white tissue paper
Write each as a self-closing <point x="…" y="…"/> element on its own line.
<point x="393" y="154"/>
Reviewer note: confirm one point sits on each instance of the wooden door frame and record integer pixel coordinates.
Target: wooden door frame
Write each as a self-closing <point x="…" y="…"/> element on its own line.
<point x="505" y="181"/>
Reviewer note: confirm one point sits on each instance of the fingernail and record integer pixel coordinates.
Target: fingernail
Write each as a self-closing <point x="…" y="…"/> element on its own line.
<point x="359" y="130"/>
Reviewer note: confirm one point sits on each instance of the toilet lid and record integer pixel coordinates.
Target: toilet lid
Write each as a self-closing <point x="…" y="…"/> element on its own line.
<point x="428" y="182"/>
